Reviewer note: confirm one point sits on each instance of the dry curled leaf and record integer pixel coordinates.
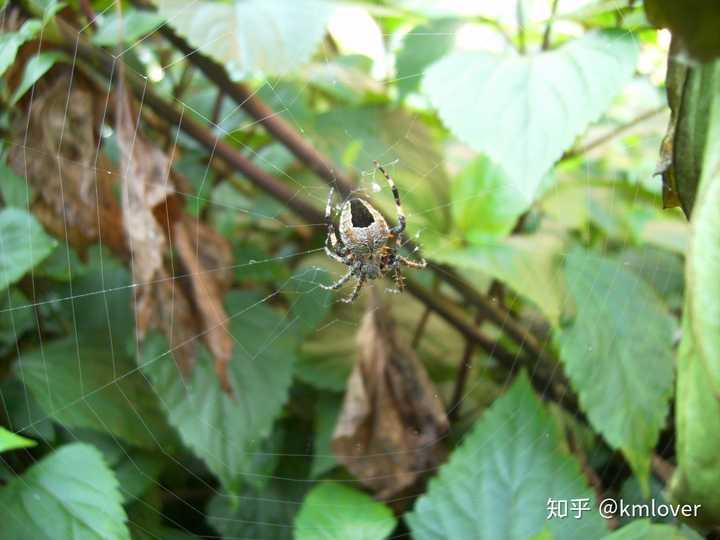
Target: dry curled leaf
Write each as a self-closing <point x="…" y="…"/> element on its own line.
<point x="392" y="422"/>
<point x="72" y="182"/>
<point x="183" y="309"/>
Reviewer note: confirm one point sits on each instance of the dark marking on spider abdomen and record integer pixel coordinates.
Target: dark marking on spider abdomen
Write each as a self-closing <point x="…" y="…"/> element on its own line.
<point x="361" y="216"/>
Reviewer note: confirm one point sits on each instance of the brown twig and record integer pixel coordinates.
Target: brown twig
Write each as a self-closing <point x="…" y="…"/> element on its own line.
<point x="610" y="135"/>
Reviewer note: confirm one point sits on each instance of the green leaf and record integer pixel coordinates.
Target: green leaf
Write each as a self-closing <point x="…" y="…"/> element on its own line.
<point x="693" y="95"/>
<point x="510" y="461"/>
<point x="10" y="42"/>
<point x="16" y="318"/>
<point x="618" y="355"/>
<point x="698" y="390"/>
<point x="70" y="494"/>
<point x="695" y="23"/>
<point x="35" y="68"/>
<point x="88" y="386"/>
<point x="326" y="358"/>
<point x="12" y="441"/>
<point x="225" y="430"/>
<point x="247" y="36"/>
<point x="643" y="529"/>
<point x="309" y="303"/>
<point x="16" y="192"/>
<point x="484" y="204"/>
<point x="132" y="26"/>
<point x="697" y="428"/>
<point x="23" y="244"/>
<point x="525" y="111"/>
<point x="333" y="510"/>
<point x="519" y="261"/>
<point x="422" y="46"/>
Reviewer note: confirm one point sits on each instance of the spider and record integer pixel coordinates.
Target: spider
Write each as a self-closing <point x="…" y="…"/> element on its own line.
<point x="366" y="244"/>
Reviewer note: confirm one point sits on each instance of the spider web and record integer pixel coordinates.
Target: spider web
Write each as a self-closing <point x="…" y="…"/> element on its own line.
<point x="305" y="282"/>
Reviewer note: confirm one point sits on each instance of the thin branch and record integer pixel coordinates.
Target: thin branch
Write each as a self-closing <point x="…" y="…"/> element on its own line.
<point x="549" y="25"/>
<point x="520" y="15"/>
<point x="610" y="135"/>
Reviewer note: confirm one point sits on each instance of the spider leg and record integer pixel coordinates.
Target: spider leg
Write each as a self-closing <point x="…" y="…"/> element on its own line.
<point x="333" y="255"/>
<point x="422" y="263"/>
<point x="339" y="283"/>
<point x="400" y="227"/>
<point x="356" y="291"/>
<point x="399" y="281"/>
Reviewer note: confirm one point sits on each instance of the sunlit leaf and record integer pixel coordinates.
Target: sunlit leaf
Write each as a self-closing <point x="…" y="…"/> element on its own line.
<point x="23" y="244"/>
<point x="618" y="354"/>
<point x="13" y="441"/>
<point x="70" y="494"/>
<point x="484" y="204"/>
<point x="509" y="461"/>
<point x="332" y="510"/>
<point x="525" y="111"/>
<point x="248" y="36"/>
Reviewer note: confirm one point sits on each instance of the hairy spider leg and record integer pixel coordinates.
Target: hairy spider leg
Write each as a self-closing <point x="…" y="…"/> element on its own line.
<point x="340" y="282"/>
<point x="356" y="291"/>
<point x="422" y="263"/>
<point x="399" y="280"/>
<point x="400" y="227"/>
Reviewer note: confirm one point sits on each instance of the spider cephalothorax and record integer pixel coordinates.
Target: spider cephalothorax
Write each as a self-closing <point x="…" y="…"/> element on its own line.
<point x="366" y="244"/>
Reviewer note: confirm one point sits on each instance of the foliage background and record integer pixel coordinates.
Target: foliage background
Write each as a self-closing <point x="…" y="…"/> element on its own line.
<point x="169" y="365"/>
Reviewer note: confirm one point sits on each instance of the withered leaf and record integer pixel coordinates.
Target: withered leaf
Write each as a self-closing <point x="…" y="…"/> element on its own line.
<point x="151" y="220"/>
<point x="389" y="433"/>
<point x="73" y="183"/>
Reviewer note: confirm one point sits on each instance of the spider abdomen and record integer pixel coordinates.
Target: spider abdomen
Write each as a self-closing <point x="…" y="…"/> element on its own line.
<point x="362" y="228"/>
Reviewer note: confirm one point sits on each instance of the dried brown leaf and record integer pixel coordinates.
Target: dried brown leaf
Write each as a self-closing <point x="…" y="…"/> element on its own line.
<point x="207" y="294"/>
<point x="73" y="185"/>
<point x="392" y="422"/>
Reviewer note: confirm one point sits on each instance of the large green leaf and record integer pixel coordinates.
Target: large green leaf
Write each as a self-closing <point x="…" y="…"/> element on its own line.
<point x="13" y="441"/>
<point x="333" y="510"/>
<point x="225" y="430"/>
<point x="497" y="483"/>
<point x="70" y="494"/>
<point x="248" y="36"/>
<point x="15" y="190"/>
<point x="525" y="111"/>
<point x="618" y="354"/>
<point x="23" y="244"/>
<point x="519" y="261"/>
<point x="83" y="385"/>
<point x="697" y="421"/>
